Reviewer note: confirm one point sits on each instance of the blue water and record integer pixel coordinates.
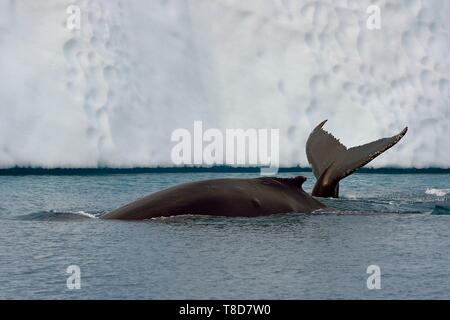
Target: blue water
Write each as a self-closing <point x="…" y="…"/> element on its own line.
<point x="47" y="222"/>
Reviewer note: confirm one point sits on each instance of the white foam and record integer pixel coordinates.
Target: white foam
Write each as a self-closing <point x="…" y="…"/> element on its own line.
<point x="437" y="192"/>
<point x="85" y="214"/>
<point x="111" y="93"/>
<point x="80" y="212"/>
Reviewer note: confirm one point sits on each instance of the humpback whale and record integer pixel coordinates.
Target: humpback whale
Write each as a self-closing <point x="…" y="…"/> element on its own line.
<point x="223" y="197"/>
<point x="331" y="162"/>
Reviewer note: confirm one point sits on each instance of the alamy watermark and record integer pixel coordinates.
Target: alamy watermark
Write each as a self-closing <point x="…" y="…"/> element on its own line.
<point x="374" y="280"/>
<point x="237" y="147"/>
<point x="74" y="280"/>
<point x="73" y="21"/>
<point x="373" y="22"/>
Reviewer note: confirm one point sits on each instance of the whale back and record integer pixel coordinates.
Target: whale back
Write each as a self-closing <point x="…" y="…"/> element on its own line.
<point x="223" y="197"/>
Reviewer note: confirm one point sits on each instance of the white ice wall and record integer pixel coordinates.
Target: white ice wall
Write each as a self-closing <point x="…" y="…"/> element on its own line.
<point x="111" y="93"/>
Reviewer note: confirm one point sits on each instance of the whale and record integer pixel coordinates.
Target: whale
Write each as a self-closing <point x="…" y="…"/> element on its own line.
<point x="223" y="197"/>
<point x="330" y="160"/>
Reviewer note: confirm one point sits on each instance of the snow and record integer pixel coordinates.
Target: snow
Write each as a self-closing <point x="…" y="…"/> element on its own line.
<point x="111" y="93"/>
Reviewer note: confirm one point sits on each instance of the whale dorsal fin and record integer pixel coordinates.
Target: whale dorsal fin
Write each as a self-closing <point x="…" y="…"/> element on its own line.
<point x="293" y="181"/>
<point x="332" y="161"/>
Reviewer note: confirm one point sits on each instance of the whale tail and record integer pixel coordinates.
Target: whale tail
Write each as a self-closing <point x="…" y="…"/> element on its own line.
<point x="331" y="161"/>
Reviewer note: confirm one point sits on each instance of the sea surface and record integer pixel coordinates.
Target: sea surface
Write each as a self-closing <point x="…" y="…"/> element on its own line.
<point x="399" y="222"/>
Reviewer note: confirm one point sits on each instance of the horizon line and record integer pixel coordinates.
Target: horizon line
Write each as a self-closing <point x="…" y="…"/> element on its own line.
<point x="192" y="169"/>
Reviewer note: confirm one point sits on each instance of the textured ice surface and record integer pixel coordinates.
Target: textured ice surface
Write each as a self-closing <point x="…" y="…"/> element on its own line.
<point x="112" y="92"/>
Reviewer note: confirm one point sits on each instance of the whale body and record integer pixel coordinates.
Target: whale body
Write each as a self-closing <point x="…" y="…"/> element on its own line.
<point x="330" y="160"/>
<point x="223" y="197"/>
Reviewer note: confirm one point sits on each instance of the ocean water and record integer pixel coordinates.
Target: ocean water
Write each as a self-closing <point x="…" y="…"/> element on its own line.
<point x="400" y="222"/>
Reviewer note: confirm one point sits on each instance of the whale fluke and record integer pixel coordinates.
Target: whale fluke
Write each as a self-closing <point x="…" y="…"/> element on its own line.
<point x="331" y="161"/>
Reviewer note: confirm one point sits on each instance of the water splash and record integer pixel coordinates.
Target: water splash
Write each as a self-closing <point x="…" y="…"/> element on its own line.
<point x="437" y="192"/>
<point x="56" y="215"/>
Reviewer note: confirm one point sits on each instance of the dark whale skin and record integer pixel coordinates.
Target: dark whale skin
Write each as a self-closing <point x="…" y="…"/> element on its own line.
<point x="223" y="197"/>
<point x="331" y="161"/>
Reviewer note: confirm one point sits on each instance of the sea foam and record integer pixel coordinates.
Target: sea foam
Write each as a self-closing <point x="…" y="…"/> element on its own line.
<point x="437" y="192"/>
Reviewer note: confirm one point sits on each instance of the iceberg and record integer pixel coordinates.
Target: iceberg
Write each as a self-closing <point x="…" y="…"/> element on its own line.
<point x="111" y="92"/>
